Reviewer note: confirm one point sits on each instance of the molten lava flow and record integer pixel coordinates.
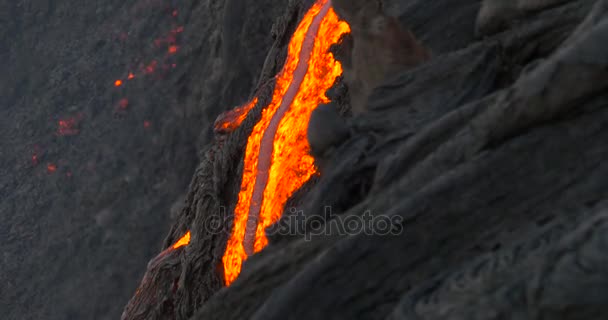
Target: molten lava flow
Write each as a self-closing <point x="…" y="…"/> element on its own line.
<point x="184" y="241"/>
<point x="277" y="162"/>
<point x="232" y="119"/>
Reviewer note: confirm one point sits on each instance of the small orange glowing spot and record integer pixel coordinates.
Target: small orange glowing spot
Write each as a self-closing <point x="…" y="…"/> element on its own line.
<point x="123" y="103"/>
<point x="184" y="241"/>
<point x="51" y="168"/>
<point x="173" y="49"/>
<point x="131" y="76"/>
<point x="118" y="83"/>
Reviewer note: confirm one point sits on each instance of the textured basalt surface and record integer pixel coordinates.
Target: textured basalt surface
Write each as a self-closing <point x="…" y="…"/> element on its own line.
<point x="489" y="159"/>
<point x="75" y="243"/>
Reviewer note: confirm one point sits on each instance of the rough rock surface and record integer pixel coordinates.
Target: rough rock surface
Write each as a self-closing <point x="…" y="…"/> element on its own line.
<point x="488" y="162"/>
<point x="75" y="241"/>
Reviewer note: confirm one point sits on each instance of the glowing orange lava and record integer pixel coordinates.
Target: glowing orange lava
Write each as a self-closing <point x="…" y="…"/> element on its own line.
<point x="173" y="49"/>
<point x="230" y="120"/>
<point x="290" y="165"/>
<point x="184" y="241"/>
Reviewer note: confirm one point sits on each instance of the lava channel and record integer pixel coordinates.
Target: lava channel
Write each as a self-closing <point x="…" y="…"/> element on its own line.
<point x="277" y="160"/>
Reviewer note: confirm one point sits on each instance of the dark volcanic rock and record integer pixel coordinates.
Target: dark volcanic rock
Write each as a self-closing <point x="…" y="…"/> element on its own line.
<point x="488" y="163"/>
<point x="86" y="205"/>
<point x="485" y="165"/>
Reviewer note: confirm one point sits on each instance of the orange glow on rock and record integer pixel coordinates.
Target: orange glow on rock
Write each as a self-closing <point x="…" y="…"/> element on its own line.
<point x="118" y="83"/>
<point x="274" y="169"/>
<point x="131" y="76"/>
<point x="51" y="168"/>
<point x="184" y="241"/>
<point x="173" y="49"/>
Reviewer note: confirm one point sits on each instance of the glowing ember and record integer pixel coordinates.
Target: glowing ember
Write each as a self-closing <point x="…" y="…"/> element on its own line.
<point x="277" y="162"/>
<point x="131" y="76"/>
<point x="173" y="49"/>
<point x="118" y="83"/>
<point x="184" y="241"/>
<point x="51" y="168"/>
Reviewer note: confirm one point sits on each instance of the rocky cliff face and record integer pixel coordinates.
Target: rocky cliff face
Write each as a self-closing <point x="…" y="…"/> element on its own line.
<point x="485" y="165"/>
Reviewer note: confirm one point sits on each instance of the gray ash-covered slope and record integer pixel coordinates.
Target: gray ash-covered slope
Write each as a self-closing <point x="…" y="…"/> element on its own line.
<point x="492" y="156"/>
<point x="84" y="210"/>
